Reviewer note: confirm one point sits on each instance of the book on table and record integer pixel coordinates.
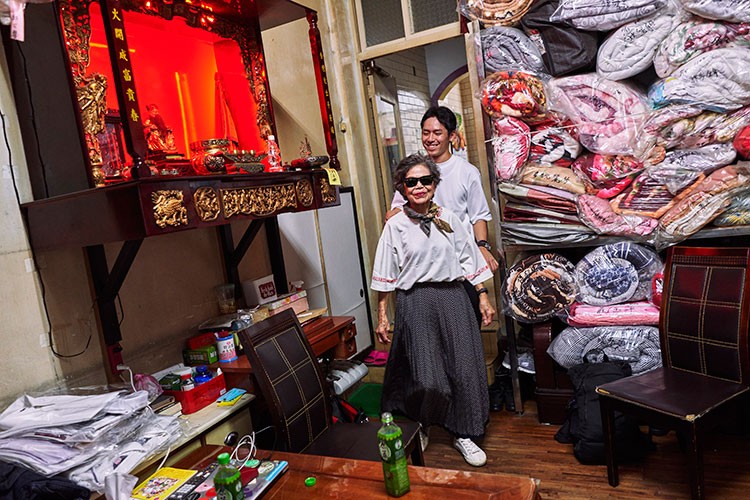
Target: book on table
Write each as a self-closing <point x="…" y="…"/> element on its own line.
<point x="162" y="483"/>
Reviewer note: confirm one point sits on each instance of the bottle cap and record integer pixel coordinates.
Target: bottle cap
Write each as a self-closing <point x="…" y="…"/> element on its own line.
<point x="310" y="481"/>
<point x="386" y="417"/>
<point x="223" y="458"/>
<point x="253" y="462"/>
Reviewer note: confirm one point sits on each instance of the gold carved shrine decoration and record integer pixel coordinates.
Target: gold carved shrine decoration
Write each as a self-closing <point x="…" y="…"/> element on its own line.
<point x="305" y="192"/>
<point x="91" y="89"/>
<point x="168" y="208"/>
<point x="259" y="201"/>
<point x="206" y="203"/>
<point x="327" y="192"/>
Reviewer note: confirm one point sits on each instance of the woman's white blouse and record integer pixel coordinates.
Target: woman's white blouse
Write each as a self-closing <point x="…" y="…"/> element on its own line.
<point x="406" y="255"/>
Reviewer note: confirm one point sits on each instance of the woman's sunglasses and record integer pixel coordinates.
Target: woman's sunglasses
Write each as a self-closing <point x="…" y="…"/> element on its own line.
<point x="425" y="180"/>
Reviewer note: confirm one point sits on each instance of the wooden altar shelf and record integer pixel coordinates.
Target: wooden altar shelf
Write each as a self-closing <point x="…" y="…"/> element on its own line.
<point x="160" y="205"/>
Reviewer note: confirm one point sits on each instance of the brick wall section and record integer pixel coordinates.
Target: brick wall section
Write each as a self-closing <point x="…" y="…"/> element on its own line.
<point x="409" y="69"/>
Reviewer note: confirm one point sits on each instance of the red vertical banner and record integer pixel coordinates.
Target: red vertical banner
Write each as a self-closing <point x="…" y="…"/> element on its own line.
<point x="324" y="97"/>
<point x="135" y="142"/>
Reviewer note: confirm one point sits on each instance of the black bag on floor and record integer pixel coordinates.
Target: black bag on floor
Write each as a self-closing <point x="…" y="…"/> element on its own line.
<point x="583" y="426"/>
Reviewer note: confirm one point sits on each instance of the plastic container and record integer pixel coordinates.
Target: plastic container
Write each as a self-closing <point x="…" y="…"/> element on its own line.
<point x="274" y="156"/>
<point x="228" y="481"/>
<point x="202" y="396"/>
<point x="225" y="345"/>
<point x="202" y="375"/>
<point x="391" y="447"/>
<point x="187" y="383"/>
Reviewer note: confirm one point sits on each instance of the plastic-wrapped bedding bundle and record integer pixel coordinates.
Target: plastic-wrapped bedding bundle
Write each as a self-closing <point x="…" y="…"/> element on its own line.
<point x="509" y="48"/>
<point x="741" y="143"/>
<point x="514" y="93"/>
<point x="616" y="273"/>
<point x="631" y="313"/>
<point x="597" y="214"/>
<point x="684" y="126"/>
<point x="630" y="50"/>
<point x="608" y="115"/>
<point x="606" y="175"/>
<point x="681" y="167"/>
<point x="511" y="142"/>
<point x="709" y="199"/>
<point x="604" y="15"/>
<point x="542" y="196"/>
<point x="493" y="12"/>
<point x="554" y="145"/>
<point x="556" y="177"/>
<point x="718" y="80"/>
<point x="647" y="197"/>
<point x="737" y="213"/>
<point x="637" y="345"/>
<point x="539" y="287"/>
<point x="694" y="37"/>
<point x="736" y="11"/>
<point x="564" y="49"/>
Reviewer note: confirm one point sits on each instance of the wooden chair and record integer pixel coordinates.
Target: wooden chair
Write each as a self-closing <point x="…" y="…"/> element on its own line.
<point x="291" y="381"/>
<point x="704" y="341"/>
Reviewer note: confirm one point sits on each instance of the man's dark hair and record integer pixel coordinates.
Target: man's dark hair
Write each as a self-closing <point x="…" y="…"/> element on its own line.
<point x="445" y="116"/>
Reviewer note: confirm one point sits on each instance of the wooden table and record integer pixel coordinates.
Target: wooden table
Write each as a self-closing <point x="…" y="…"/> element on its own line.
<point x="325" y="334"/>
<point x="346" y="478"/>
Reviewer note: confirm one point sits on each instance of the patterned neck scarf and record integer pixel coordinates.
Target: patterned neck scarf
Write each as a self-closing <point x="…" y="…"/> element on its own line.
<point x="425" y="219"/>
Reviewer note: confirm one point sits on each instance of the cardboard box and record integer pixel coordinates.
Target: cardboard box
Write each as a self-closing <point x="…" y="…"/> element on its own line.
<point x="202" y="396"/>
<point x="202" y="356"/>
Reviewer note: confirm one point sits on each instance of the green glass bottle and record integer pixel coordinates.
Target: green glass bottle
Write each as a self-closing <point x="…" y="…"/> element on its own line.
<point x="227" y="481"/>
<point x="391" y="447"/>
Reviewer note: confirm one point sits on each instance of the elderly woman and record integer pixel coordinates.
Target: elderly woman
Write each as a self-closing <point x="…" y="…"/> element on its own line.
<point x="435" y="372"/>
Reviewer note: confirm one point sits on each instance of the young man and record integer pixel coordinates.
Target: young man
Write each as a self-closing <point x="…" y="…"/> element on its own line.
<point x="460" y="190"/>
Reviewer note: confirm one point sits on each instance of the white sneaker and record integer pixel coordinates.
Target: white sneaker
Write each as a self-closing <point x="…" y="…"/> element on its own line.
<point x="472" y="453"/>
<point x="525" y="362"/>
<point x="424" y="439"/>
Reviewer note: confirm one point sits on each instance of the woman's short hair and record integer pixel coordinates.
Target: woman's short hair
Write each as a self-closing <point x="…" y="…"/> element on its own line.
<point x="403" y="167"/>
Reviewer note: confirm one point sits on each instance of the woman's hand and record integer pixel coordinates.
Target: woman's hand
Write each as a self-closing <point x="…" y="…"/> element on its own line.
<point x="384" y="325"/>
<point x="382" y="331"/>
<point x="488" y="312"/>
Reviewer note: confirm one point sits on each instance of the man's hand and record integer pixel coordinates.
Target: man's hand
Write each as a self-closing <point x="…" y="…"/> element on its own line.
<point x="491" y="261"/>
<point x="390" y="213"/>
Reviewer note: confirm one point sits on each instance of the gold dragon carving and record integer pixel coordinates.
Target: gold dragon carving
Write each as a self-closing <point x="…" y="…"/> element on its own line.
<point x="259" y="201"/>
<point x="304" y="192"/>
<point x="168" y="208"/>
<point x="327" y="192"/>
<point x="206" y="203"/>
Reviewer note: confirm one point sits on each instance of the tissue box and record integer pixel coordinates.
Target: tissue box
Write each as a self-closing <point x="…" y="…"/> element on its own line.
<point x="296" y="301"/>
<point x="259" y="291"/>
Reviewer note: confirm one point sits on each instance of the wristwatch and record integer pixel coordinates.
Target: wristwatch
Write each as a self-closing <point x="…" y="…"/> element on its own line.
<point x="485" y="244"/>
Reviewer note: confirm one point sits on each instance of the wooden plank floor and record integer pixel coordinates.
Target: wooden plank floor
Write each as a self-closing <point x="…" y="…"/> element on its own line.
<point x="519" y="444"/>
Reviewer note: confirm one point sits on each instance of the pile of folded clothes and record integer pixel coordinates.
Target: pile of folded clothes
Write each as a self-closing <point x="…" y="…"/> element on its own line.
<point x="84" y="438"/>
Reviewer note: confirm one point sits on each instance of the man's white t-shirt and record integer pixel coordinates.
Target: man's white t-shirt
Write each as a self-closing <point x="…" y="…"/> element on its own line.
<point x="460" y="191"/>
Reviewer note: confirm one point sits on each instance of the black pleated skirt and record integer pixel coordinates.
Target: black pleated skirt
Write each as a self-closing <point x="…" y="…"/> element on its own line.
<point x="435" y="372"/>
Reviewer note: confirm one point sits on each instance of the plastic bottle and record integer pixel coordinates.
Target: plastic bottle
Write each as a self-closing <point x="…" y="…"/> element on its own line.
<point x="274" y="156"/>
<point x="227" y="481"/>
<point x="202" y="375"/>
<point x="391" y="447"/>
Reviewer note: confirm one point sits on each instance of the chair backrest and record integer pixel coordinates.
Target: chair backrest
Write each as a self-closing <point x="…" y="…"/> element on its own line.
<point x="289" y="377"/>
<point x="705" y="311"/>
